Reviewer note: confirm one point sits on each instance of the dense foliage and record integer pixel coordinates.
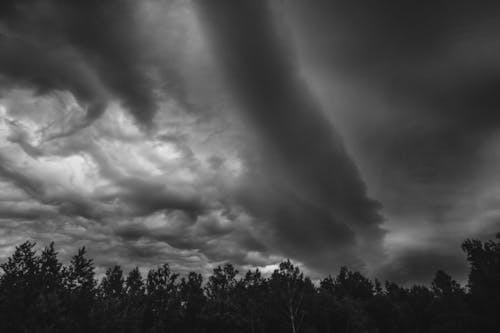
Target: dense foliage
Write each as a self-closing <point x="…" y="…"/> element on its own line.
<point x="39" y="294"/>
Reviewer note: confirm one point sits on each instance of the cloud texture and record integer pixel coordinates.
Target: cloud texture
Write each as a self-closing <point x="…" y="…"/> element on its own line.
<point x="126" y="128"/>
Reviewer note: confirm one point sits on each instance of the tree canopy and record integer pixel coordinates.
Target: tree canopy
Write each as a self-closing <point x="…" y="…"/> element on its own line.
<point x="40" y="294"/>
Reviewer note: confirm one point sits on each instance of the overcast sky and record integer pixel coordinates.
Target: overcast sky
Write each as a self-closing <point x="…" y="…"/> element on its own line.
<point x="197" y="132"/>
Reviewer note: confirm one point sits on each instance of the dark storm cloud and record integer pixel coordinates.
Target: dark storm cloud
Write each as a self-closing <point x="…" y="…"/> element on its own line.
<point x="95" y="49"/>
<point x="433" y="61"/>
<point x="418" y="87"/>
<point x="310" y="190"/>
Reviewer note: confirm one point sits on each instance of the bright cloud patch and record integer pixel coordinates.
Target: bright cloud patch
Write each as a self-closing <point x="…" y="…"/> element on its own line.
<point x="146" y="188"/>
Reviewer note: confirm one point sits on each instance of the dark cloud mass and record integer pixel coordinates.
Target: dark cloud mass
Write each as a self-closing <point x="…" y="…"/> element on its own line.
<point x="95" y="49"/>
<point x="196" y="132"/>
<point x="421" y="112"/>
<point x="321" y="201"/>
<point x="434" y="62"/>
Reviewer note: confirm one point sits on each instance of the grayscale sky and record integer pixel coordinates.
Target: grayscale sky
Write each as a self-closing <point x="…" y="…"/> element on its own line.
<point x="197" y="132"/>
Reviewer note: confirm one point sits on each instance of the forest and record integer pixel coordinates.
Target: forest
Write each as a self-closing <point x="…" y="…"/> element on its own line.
<point x="40" y="294"/>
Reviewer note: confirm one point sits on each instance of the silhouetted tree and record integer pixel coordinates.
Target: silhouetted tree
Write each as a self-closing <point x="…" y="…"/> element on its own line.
<point x="162" y="301"/>
<point x="134" y="285"/>
<point x="353" y="284"/>
<point x="80" y="291"/>
<point x="221" y="307"/>
<point x="192" y="302"/>
<point x="291" y="290"/>
<point x="20" y="286"/>
<point x="252" y="300"/>
<point x="449" y="306"/>
<point x="112" y="300"/>
<point x="49" y="304"/>
<point x="134" y="301"/>
<point x="484" y="285"/>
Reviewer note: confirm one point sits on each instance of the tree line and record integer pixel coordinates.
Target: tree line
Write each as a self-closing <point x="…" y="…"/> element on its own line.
<point x="40" y="294"/>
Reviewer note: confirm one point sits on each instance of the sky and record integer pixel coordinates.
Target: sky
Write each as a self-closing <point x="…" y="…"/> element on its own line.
<point x="201" y="132"/>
